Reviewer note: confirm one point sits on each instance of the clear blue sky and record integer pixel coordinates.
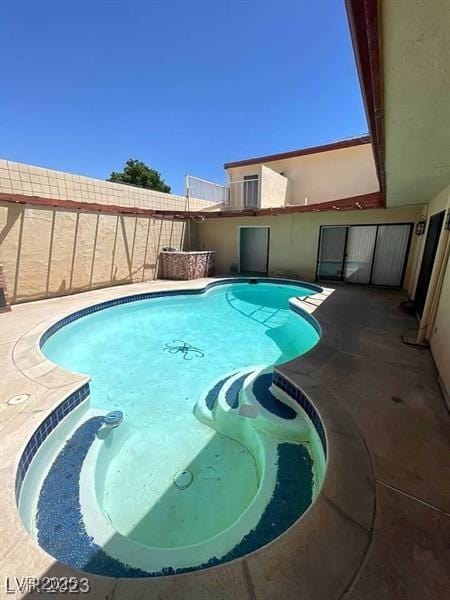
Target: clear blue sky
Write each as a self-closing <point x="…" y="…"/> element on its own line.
<point x="184" y="85"/>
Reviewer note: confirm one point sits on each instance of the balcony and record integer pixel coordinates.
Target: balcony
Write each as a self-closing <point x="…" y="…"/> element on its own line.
<point x="243" y="194"/>
<point x="265" y="188"/>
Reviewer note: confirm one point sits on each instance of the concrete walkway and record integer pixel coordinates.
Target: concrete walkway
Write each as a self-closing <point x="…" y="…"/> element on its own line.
<point x="390" y="391"/>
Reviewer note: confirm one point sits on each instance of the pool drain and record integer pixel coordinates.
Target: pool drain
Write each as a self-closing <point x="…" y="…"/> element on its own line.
<point x="183" y="479"/>
<point x="18" y="399"/>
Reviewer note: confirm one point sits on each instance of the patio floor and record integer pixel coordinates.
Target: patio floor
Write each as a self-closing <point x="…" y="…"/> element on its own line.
<point x="392" y="395"/>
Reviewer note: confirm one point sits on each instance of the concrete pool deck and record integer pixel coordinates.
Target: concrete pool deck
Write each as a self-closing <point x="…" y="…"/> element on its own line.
<point x="380" y="528"/>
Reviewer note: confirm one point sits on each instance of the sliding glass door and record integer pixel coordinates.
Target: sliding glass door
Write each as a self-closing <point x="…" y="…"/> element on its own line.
<point x="390" y="254"/>
<point x="365" y="254"/>
<point x="332" y="253"/>
<point x="360" y="247"/>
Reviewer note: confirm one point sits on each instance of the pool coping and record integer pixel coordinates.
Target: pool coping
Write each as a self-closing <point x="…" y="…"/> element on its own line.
<point x="71" y="402"/>
<point x="346" y="502"/>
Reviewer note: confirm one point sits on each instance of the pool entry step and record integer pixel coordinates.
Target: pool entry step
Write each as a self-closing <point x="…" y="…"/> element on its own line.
<point x="249" y="395"/>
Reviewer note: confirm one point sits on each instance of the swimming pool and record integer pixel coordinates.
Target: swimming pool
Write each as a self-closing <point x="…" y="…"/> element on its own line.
<point x="210" y="462"/>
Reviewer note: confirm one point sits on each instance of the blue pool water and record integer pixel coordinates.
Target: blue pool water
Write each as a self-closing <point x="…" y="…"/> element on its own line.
<point x="153" y="359"/>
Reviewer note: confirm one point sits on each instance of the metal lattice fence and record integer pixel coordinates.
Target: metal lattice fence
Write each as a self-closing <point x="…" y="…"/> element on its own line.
<point x="206" y="190"/>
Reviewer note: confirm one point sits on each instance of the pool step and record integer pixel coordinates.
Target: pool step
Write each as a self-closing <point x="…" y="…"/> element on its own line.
<point x="276" y="414"/>
<point x="225" y="392"/>
<point x="263" y="391"/>
<point x="233" y="390"/>
<point x="211" y="396"/>
<point x="249" y="395"/>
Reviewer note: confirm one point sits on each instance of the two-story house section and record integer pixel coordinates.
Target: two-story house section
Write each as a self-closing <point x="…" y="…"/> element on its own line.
<point x="334" y="171"/>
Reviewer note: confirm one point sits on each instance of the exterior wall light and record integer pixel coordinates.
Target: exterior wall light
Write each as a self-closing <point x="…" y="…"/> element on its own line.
<point x="420" y="227"/>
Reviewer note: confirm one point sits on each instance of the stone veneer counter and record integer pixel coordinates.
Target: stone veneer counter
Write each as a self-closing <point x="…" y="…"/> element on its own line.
<point x="186" y="265"/>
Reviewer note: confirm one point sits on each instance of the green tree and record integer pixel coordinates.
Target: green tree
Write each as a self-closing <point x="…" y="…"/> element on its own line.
<point x="138" y="173"/>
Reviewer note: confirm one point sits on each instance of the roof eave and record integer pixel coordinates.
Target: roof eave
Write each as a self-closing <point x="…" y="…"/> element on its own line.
<point x="364" y="23"/>
<point x="349" y="143"/>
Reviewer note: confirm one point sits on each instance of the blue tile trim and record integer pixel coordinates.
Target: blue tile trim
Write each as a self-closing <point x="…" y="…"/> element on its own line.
<point x="62" y="533"/>
<point x="296" y="394"/>
<point x="315" y="289"/>
<point x="44" y="430"/>
<point x="213" y="393"/>
<point x="59" y="520"/>
<point x="261" y="389"/>
<point x="303" y="313"/>
<point x="232" y="393"/>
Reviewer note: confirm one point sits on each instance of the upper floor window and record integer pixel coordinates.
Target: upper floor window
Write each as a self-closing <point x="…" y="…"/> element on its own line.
<point x="250" y="191"/>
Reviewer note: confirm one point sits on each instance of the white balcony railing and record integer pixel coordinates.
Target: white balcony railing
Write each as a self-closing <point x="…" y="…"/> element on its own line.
<point x="236" y="195"/>
<point x="201" y="189"/>
<point x="243" y="194"/>
<point x="267" y="189"/>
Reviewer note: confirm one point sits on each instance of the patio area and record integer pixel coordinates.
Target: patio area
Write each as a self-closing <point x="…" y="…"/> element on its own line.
<point x="380" y="527"/>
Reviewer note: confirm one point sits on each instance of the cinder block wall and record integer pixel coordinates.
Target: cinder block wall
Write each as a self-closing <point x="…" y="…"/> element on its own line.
<point x="19" y="178"/>
<point x="52" y="252"/>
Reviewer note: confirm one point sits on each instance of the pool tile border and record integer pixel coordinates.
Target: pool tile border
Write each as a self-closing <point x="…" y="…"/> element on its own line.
<point x="303" y="313"/>
<point x="180" y="292"/>
<point x="294" y="392"/>
<point x="44" y="430"/>
<point x="82" y="393"/>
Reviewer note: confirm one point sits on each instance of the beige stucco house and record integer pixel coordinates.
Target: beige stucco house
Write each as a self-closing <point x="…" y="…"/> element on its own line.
<point x="307" y="176"/>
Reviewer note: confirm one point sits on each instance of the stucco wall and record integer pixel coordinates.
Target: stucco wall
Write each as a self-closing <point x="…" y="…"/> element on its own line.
<point x="53" y="252"/>
<point x="273" y="188"/>
<point x="294" y="238"/>
<point x="324" y="176"/>
<point x="47" y="252"/>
